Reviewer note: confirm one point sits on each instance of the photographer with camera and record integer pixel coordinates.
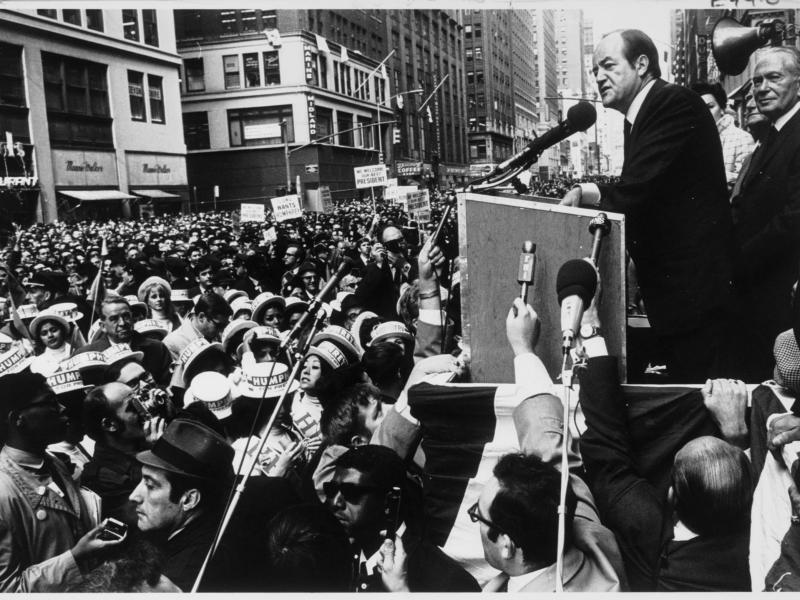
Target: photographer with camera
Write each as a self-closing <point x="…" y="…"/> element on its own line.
<point x="120" y="427"/>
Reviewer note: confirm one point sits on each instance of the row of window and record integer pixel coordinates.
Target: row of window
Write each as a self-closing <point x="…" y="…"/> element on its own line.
<point x="252" y="70"/>
<point x="147" y="32"/>
<point x="155" y="96"/>
<point x="194" y="24"/>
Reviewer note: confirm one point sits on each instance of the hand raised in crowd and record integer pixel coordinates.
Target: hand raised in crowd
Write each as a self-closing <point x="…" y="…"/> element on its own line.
<point x="378" y="253"/>
<point x="288" y="457"/>
<point x="726" y="400"/>
<point x="430" y="258"/>
<point x="522" y="327"/>
<point x="91" y="543"/>
<point x="783" y="430"/>
<point x="393" y="565"/>
<point x="154" y="429"/>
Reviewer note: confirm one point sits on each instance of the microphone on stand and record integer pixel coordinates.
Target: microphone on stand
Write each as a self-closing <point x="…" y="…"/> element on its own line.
<point x="344" y="268"/>
<point x="579" y="118"/>
<point x="576" y="284"/>
<point x="527" y="266"/>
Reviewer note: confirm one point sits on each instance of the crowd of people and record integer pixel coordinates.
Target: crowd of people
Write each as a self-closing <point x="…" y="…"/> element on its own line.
<point x="196" y="403"/>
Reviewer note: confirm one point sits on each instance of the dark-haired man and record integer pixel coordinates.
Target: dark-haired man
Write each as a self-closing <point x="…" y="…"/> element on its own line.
<point x="357" y="497"/>
<point x="673" y="193"/>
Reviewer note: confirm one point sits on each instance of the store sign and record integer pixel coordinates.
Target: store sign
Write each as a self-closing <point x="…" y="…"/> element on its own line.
<point x="370" y="176"/>
<point x="308" y="58"/>
<point x="156" y="169"/>
<point x="408" y="169"/>
<point x="312" y="116"/>
<point x="17" y="169"/>
<point x="262" y="131"/>
<point x="85" y="168"/>
<point x="286" y="208"/>
<point x="480" y="170"/>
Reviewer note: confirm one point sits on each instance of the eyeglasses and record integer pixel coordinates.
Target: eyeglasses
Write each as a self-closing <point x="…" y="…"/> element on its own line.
<point x="351" y="492"/>
<point x="475" y="516"/>
<point x="309" y="278"/>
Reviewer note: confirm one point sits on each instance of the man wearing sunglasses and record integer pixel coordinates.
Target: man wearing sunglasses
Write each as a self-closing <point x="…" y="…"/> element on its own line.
<point x="357" y="497"/>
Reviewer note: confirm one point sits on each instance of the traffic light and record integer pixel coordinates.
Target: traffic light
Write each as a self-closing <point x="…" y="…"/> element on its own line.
<point x="396" y="136"/>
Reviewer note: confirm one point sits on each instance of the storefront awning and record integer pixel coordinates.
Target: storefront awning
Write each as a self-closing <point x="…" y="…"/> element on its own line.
<point x="91" y="195"/>
<point x="156" y="194"/>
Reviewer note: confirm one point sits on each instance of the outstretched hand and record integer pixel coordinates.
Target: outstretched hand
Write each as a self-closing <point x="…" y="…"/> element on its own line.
<point x="522" y="327"/>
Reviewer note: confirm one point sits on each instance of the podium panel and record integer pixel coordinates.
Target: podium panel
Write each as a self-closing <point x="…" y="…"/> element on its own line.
<point x="491" y="232"/>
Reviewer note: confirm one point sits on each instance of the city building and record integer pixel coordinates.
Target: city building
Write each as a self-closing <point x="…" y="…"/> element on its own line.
<point x="523" y="64"/>
<point x="90" y="117"/>
<point x="546" y="90"/>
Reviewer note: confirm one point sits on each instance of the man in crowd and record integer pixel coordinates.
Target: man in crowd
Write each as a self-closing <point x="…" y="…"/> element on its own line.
<point x="210" y="317"/>
<point x="117" y="324"/>
<point x="737" y="144"/>
<point x="766" y="209"/>
<point x="115" y="420"/>
<point x="357" y="496"/>
<point x="673" y="193"/>
<point x="47" y="530"/>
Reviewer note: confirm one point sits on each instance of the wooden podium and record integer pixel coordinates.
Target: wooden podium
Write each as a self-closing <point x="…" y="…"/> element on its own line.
<point x="491" y="232"/>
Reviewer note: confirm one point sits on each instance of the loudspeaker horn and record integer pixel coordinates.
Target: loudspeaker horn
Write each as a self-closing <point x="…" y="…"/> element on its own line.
<point x="732" y="43"/>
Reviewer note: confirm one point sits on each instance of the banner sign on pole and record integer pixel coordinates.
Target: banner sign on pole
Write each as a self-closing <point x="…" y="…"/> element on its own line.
<point x="286" y="208"/>
<point x="326" y="199"/>
<point x="370" y="176"/>
<point x="252" y="212"/>
<point x="419" y="206"/>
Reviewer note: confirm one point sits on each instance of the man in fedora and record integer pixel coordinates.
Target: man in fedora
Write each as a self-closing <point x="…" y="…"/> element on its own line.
<point x="181" y="498"/>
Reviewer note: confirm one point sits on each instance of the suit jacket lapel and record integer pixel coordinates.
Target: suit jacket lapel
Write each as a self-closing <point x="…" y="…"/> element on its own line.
<point x="789" y="131"/>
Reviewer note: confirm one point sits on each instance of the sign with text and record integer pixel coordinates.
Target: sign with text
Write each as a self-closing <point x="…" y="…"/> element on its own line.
<point x="408" y="169"/>
<point x="419" y="206"/>
<point x="370" y="176"/>
<point x="85" y="168"/>
<point x="390" y="193"/>
<point x="326" y="199"/>
<point x="156" y="169"/>
<point x="286" y="208"/>
<point x="252" y="212"/>
<point x="270" y="235"/>
<point x="312" y="116"/>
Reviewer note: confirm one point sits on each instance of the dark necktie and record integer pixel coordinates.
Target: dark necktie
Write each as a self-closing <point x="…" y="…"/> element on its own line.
<point x="626" y="138"/>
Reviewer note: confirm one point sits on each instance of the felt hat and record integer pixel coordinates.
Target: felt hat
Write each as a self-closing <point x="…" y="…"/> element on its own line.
<point x="191" y="449"/>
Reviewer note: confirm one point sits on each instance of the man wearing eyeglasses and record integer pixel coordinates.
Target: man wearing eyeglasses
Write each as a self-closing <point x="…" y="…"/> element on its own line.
<point x="357" y="496"/>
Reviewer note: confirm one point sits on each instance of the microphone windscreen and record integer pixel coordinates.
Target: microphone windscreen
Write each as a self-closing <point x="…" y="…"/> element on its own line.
<point x="576" y="278"/>
<point x="581" y="116"/>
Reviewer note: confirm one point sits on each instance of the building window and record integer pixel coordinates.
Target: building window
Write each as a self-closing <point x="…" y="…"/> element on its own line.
<point x="12" y="83"/>
<point x="252" y="77"/>
<point x="50" y="13"/>
<point x="269" y="19"/>
<point x="272" y="68"/>
<point x="195" y="130"/>
<point x="230" y="65"/>
<point x="156" y="93"/>
<point x="259" y="126"/>
<point x="136" y="95"/>
<point x="195" y="74"/>
<point x="94" y="19"/>
<point x="130" y="25"/>
<point x="249" y="21"/>
<point x="72" y="16"/>
<point x="344" y="127"/>
<point x="227" y="21"/>
<point x="76" y="95"/>
<point x="323" y="71"/>
<point x="324" y="122"/>
<point x="477" y="150"/>
<point x="150" y="27"/>
<point x="189" y="24"/>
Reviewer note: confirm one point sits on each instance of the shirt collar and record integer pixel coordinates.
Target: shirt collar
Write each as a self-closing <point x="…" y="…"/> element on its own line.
<point x="23" y="458"/>
<point x="783" y="119"/>
<point x="633" y="109"/>
<point x="515" y="584"/>
<point x="681" y="533"/>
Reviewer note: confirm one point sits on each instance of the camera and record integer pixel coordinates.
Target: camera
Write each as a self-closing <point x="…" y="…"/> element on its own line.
<point x="113" y="530"/>
<point x="155" y="401"/>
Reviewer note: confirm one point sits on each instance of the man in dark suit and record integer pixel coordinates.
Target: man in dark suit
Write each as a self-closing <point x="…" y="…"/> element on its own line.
<point x="357" y="498"/>
<point x="673" y="193"/>
<point x="766" y="208"/>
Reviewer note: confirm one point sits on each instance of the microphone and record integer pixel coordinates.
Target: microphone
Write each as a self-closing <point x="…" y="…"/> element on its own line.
<point x="579" y="118"/>
<point x="576" y="284"/>
<point x="527" y="264"/>
<point x="344" y="268"/>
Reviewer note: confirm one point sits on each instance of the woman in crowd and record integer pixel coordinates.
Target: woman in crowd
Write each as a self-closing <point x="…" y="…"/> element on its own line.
<point x="156" y="293"/>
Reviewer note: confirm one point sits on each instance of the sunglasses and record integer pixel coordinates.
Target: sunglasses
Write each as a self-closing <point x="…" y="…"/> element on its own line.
<point x="351" y="492"/>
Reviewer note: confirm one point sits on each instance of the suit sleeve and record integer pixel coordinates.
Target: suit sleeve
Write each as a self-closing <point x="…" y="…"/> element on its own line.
<point x="661" y="139"/>
<point x="629" y="505"/>
<point x="782" y="232"/>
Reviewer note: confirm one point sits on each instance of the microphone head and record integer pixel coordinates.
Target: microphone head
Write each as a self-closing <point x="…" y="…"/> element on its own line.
<point x="576" y="278"/>
<point x="528" y="247"/>
<point x="581" y="116"/>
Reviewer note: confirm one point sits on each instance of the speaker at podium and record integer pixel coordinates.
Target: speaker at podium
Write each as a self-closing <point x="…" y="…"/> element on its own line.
<point x="492" y="230"/>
